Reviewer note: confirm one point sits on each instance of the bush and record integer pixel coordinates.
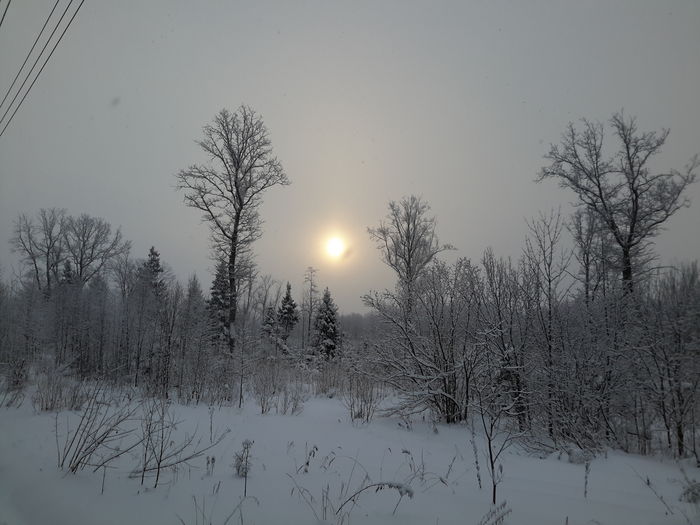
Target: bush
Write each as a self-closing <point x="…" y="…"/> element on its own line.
<point x="362" y="396"/>
<point x="13" y="382"/>
<point x="265" y="381"/>
<point x="56" y="392"/>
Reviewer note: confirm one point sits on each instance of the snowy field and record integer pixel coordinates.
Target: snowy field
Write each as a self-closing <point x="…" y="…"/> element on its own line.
<point x="304" y="467"/>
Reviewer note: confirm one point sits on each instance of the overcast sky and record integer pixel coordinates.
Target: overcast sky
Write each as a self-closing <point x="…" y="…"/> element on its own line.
<point x="365" y="102"/>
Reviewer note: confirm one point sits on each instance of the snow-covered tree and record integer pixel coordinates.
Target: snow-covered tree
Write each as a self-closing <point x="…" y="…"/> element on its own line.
<point x="219" y="301"/>
<point x="327" y="331"/>
<point x="228" y="190"/>
<point x="631" y="201"/>
<point x="287" y="314"/>
<point x="308" y="303"/>
<point x="90" y="245"/>
<point x="408" y="242"/>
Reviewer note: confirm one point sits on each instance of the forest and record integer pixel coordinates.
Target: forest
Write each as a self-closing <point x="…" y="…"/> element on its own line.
<point x="583" y="343"/>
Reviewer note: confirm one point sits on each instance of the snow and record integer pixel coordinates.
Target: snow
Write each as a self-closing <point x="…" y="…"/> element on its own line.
<point x="437" y="469"/>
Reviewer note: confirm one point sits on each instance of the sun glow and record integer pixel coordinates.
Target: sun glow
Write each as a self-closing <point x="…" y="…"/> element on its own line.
<point x="335" y="247"/>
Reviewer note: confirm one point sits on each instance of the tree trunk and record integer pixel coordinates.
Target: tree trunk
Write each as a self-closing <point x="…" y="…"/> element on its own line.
<point x="233" y="291"/>
<point x="627" y="269"/>
<point x="680" y="439"/>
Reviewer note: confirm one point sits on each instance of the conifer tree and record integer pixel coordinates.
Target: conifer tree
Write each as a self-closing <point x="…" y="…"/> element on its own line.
<point x="271" y="327"/>
<point x="150" y="273"/>
<point x="219" y="302"/>
<point x="287" y="314"/>
<point x="327" y="336"/>
<point x="151" y="303"/>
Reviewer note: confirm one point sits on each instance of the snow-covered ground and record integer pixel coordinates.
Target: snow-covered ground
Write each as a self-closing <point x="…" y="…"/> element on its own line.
<point x="438" y="466"/>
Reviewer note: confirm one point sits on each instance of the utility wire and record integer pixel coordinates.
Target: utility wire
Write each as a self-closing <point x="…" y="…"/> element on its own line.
<point x="43" y="66"/>
<point x="36" y="62"/>
<point x="5" y="12"/>
<point x="29" y="54"/>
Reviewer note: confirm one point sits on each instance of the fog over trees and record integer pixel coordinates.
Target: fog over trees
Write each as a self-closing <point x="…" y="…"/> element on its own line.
<point x="580" y="342"/>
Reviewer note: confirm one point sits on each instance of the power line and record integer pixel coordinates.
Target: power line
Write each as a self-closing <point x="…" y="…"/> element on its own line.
<point x="5" y="12"/>
<point x="28" y="54"/>
<point x="44" y="65"/>
<point x="36" y="61"/>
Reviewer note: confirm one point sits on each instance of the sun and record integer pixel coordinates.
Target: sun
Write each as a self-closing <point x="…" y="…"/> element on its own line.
<point x="335" y="247"/>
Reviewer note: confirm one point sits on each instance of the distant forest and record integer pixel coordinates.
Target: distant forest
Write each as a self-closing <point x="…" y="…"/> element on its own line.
<point x="594" y="346"/>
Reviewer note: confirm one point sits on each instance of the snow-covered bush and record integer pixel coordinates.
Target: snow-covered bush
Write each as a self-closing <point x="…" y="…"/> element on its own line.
<point x="13" y="381"/>
<point x="241" y="460"/>
<point x="55" y="391"/>
<point x="241" y="463"/>
<point x="96" y="439"/>
<point x="292" y="392"/>
<point x="362" y="393"/>
<point x="265" y="383"/>
<point x="328" y="377"/>
<point x="159" y="448"/>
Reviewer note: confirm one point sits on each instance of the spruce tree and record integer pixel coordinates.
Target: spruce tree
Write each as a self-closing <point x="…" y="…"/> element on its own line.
<point x="219" y="302"/>
<point x="270" y="326"/>
<point x="152" y="297"/>
<point x="327" y="332"/>
<point x="287" y="314"/>
<point x="151" y="279"/>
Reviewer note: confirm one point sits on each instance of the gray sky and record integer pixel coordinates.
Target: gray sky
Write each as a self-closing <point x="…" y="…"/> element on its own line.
<point x="365" y="102"/>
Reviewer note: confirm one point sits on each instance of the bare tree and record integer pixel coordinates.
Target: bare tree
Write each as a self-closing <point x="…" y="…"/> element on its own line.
<point x="308" y="303"/>
<point x="41" y="245"/>
<point x="90" y="245"/>
<point x="430" y="359"/>
<point x="407" y="241"/>
<point x="632" y="201"/>
<point x="547" y="263"/>
<point x="228" y="189"/>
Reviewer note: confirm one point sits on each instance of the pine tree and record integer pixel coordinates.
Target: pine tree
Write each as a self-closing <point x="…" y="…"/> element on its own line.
<point x="219" y="302"/>
<point x="271" y="326"/>
<point x="287" y="314"/>
<point x="152" y="298"/>
<point x="151" y="279"/>
<point x="327" y="336"/>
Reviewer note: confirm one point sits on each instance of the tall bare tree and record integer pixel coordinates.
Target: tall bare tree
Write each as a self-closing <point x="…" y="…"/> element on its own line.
<point x="41" y="244"/>
<point x="228" y="189"/>
<point x="407" y="241"/>
<point x="90" y="245"/>
<point x="308" y="303"/>
<point x="632" y="201"/>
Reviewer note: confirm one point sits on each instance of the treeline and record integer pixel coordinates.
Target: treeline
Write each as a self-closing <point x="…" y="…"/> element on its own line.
<point x="582" y="341"/>
<point x="564" y="353"/>
<point x="131" y="322"/>
<point x="590" y="346"/>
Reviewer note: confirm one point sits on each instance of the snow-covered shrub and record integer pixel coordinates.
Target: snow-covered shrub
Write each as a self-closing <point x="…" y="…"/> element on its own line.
<point x="96" y="439"/>
<point x="54" y="391"/>
<point x="362" y="396"/>
<point x="265" y="383"/>
<point x="328" y="378"/>
<point x="13" y="382"/>
<point x="292" y="393"/>
<point x="241" y="459"/>
<point x="241" y="463"/>
<point x="159" y="449"/>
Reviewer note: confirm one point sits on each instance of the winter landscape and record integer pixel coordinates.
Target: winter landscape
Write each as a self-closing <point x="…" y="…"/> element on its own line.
<point x="387" y="263"/>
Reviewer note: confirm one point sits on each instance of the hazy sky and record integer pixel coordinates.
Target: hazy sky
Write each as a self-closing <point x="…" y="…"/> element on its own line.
<point x="365" y="102"/>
